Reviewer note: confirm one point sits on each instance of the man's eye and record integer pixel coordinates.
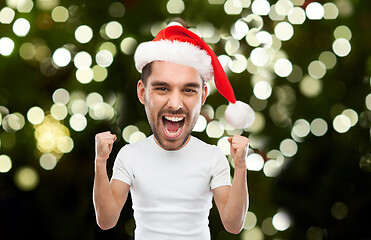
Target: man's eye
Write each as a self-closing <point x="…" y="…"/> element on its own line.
<point x="190" y="90"/>
<point x="161" y="89"/>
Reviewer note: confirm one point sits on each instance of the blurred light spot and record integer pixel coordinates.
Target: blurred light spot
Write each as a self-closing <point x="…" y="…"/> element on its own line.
<point x="128" y="45"/>
<point x="283" y="67"/>
<point x="84" y="75"/>
<point x="60" y="14"/>
<point x="61" y="95"/>
<point x="231" y="46"/>
<point x="288" y="147"/>
<point x="116" y="9"/>
<point x="260" y="7"/>
<point x="259" y="57"/>
<point x="26" y="178"/>
<point x="317" y="69"/>
<point x="368" y="101"/>
<point x="102" y="111"/>
<point x="315" y="233"/>
<point x="65" y="144"/>
<point x="273" y="15"/>
<point x="365" y="119"/>
<point x="109" y="47"/>
<point x="5" y="163"/>
<point x="46" y="5"/>
<point x="21" y="27"/>
<point x="343" y="32"/>
<point x="93" y="98"/>
<point x="239" y="29"/>
<point x="114" y="30"/>
<point x="254" y="162"/>
<point x="175" y="6"/>
<point x="58" y="111"/>
<point x="251" y="38"/>
<point x="13" y="122"/>
<point x="310" y="87"/>
<point x="267" y="227"/>
<point x="284" y="7"/>
<point x="254" y="233"/>
<point x="262" y="90"/>
<point x="214" y="129"/>
<point x="259" y="123"/>
<point x="128" y="130"/>
<point x="224" y="145"/>
<point x="281" y="221"/>
<point x="208" y="112"/>
<point x="200" y="124"/>
<point x="83" y="34"/>
<point x="330" y="11"/>
<point x="232" y="7"/>
<point x="339" y="210"/>
<point x="27" y="51"/>
<point x="35" y="115"/>
<point x="43" y="53"/>
<point x="341" y="123"/>
<point x="296" y="74"/>
<point x="272" y="168"/>
<point x="78" y="122"/>
<point x="345" y="8"/>
<point x="99" y="73"/>
<point x="78" y="106"/>
<point x="238" y="63"/>
<point x="104" y="58"/>
<point x="301" y="128"/>
<point x="6" y="46"/>
<point x="315" y="11"/>
<point x="82" y="60"/>
<point x="219" y="113"/>
<point x="365" y="163"/>
<point x="62" y="57"/>
<point x="136" y="136"/>
<point x="341" y="47"/>
<point x="297" y="16"/>
<point x="6" y="15"/>
<point x="25" y="6"/>
<point x="284" y="31"/>
<point x="328" y="58"/>
<point x="250" y="221"/>
<point x="48" y="161"/>
<point x="352" y="115"/>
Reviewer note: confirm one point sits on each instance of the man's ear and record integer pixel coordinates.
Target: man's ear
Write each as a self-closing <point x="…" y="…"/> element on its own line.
<point x="205" y="91"/>
<point x="141" y="91"/>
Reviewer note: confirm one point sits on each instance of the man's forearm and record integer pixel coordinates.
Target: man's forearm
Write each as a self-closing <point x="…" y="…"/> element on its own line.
<point x="237" y="204"/>
<point x="104" y="202"/>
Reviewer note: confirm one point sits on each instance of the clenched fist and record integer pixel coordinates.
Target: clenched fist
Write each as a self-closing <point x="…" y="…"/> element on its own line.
<point x="239" y="147"/>
<point x="103" y="145"/>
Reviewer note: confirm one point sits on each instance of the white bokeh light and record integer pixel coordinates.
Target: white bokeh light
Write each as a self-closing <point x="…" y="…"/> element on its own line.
<point x="83" y="34"/>
<point x="283" y="67"/>
<point x="61" y="57"/>
<point x="281" y="221"/>
<point x="254" y="162"/>
<point x="21" y="27"/>
<point x="284" y="31"/>
<point x="260" y="7"/>
<point x="315" y="11"/>
<point x="262" y="90"/>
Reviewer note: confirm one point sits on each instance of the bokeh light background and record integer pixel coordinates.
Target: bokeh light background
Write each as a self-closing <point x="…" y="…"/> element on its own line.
<point x="67" y="72"/>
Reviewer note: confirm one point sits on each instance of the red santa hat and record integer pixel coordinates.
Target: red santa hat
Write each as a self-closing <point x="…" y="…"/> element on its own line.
<point x="179" y="45"/>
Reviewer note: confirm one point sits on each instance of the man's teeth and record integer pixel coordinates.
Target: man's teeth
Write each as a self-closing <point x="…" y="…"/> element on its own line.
<point x="174" y="119"/>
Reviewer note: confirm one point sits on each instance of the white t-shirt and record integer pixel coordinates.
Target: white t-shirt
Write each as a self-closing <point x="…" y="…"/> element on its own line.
<point x="171" y="190"/>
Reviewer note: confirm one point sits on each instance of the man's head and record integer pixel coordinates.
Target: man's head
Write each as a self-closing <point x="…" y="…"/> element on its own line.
<point x="172" y="95"/>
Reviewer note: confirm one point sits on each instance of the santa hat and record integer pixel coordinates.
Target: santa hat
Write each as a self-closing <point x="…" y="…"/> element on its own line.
<point x="179" y="45"/>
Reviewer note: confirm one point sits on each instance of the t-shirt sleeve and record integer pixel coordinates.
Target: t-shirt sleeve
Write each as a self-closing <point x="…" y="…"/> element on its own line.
<point x="220" y="170"/>
<point x="121" y="167"/>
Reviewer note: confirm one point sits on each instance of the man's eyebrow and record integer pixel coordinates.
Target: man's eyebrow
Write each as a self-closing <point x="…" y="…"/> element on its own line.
<point x="194" y="85"/>
<point x="159" y="83"/>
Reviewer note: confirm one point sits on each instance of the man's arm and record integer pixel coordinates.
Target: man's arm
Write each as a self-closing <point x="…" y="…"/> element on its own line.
<point x="232" y="201"/>
<point x="108" y="198"/>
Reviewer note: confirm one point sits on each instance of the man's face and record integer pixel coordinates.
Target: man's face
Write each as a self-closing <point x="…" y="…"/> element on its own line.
<point x="172" y="96"/>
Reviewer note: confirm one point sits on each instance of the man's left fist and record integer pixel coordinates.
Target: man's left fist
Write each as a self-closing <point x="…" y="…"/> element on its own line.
<point x="239" y="148"/>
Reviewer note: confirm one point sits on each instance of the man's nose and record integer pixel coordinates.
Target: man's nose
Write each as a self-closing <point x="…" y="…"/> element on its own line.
<point x="175" y="101"/>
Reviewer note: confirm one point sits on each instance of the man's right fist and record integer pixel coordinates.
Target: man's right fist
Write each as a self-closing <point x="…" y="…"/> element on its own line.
<point x="103" y="145"/>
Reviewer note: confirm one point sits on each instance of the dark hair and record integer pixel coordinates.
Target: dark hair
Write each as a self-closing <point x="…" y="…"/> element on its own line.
<point x="146" y="71"/>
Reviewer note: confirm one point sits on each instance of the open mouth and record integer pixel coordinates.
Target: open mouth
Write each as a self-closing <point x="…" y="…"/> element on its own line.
<point x="173" y="125"/>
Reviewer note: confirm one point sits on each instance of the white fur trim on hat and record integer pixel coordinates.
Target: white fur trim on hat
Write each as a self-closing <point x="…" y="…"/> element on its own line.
<point x="239" y="115"/>
<point x="183" y="53"/>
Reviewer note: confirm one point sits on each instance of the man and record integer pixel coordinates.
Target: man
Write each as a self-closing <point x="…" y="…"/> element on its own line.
<point x="171" y="175"/>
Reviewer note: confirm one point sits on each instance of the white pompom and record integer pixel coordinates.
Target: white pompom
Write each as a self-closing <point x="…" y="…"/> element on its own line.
<point x="239" y="115"/>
